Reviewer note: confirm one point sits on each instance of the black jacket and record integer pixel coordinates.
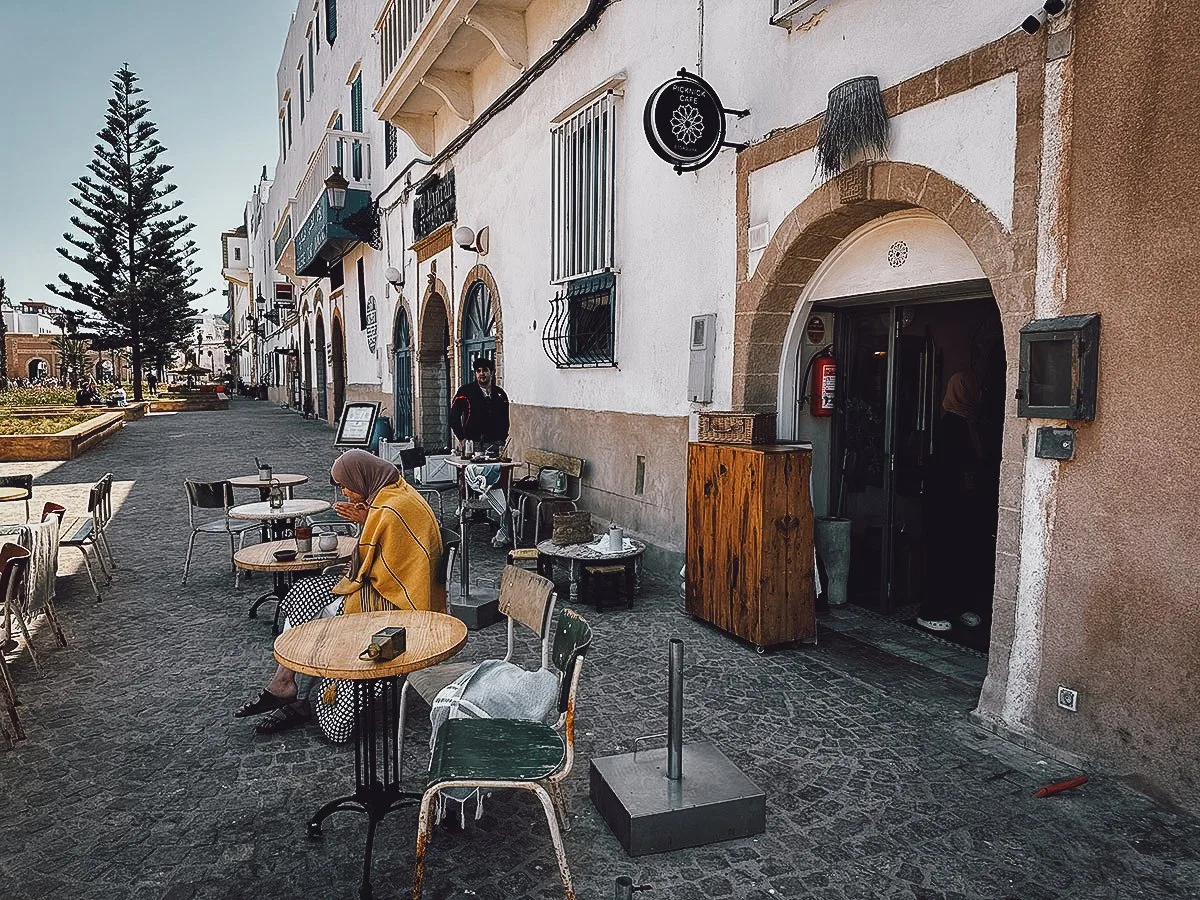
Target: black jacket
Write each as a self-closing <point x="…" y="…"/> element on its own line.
<point x="474" y="417"/>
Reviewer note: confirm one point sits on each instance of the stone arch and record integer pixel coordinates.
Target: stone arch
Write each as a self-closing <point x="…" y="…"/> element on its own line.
<point x="765" y="302"/>
<point x="480" y="272"/>
<point x="435" y="347"/>
<point x="337" y="355"/>
<point x="400" y="363"/>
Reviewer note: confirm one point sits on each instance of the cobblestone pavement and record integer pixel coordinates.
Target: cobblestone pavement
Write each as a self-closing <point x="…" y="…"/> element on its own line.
<point x="136" y="782"/>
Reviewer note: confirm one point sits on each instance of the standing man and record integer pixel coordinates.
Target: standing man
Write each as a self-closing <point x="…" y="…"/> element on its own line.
<point x="479" y="414"/>
<point x="479" y="411"/>
<point x="152" y="384"/>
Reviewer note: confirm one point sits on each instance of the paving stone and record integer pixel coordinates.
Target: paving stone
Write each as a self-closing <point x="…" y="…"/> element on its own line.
<point x="136" y="781"/>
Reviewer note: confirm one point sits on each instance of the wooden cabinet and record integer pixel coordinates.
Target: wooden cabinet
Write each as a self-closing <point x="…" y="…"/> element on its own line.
<point x="750" y="541"/>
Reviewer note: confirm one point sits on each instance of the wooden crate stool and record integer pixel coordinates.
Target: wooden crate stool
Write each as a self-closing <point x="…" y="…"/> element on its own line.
<point x="598" y="580"/>
<point x="523" y="557"/>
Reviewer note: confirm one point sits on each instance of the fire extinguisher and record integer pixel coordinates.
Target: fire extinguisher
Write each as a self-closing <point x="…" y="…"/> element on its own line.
<point x="824" y="383"/>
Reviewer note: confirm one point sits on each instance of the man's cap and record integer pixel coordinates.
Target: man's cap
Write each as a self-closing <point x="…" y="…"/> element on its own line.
<point x="482" y="362"/>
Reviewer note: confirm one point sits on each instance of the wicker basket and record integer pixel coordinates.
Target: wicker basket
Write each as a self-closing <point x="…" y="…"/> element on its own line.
<point x="737" y="427"/>
<point x="572" y="528"/>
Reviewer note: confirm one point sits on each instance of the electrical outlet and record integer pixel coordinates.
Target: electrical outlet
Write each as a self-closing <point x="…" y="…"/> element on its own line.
<point x="1067" y="698"/>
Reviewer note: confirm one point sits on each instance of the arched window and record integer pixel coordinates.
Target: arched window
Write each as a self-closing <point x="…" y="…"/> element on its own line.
<point x="478" y="328"/>
<point x="402" y="344"/>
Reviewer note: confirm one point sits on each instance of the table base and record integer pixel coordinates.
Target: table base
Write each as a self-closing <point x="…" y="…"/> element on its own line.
<point x="275" y="595"/>
<point x="377" y="774"/>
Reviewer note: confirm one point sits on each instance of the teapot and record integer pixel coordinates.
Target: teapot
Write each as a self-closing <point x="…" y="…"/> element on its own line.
<point x="275" y="497"/>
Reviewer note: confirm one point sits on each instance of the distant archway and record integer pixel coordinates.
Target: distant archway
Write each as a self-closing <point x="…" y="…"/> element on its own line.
<point x="322" y="400"/>
<point x="338" y="358"/>
<point x="402" y="384"/>
<point x="433" y="363"/>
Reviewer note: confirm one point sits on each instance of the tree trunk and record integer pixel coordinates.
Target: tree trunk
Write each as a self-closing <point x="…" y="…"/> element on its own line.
<point x="135" y="341"/>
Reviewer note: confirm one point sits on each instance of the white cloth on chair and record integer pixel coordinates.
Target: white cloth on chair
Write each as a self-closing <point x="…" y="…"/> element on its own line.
<point x="43" y="562"/>
<point x="482" y="480"/>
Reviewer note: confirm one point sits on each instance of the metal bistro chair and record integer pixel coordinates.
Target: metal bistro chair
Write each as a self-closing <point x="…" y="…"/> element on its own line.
<point x="214" y="495"/>
<point x="14" y="568"/>
<point x="84" y="531"/>
<point x="22" y="483"/>
<point x="526" y="599"/>
<point x="493" y="754"/>
<point x="413" y="458"/>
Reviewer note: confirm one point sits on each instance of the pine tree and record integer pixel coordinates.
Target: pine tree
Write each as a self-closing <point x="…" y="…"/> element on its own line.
<point x="134" y="250"/>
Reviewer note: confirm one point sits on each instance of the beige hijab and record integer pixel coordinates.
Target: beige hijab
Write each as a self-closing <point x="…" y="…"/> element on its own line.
<point x="963" y="396"/>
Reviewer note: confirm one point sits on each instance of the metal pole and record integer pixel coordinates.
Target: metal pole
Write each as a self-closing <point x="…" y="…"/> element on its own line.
<point x="675" y="712"/>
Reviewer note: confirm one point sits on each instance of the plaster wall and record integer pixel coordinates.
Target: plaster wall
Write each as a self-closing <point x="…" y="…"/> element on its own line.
<point x="1123" y="606"/>
<point x="970" y="137"/>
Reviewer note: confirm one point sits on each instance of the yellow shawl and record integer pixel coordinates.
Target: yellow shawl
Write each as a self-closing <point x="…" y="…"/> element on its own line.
<point x="399" y="553"/>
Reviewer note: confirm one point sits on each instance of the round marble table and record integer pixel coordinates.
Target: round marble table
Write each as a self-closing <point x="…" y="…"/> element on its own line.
<point x="278" y="517"/>
<point x="287" y="481"/>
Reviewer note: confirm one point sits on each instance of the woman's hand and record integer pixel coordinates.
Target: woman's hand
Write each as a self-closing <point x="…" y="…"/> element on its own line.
<point x="355" y="512"/>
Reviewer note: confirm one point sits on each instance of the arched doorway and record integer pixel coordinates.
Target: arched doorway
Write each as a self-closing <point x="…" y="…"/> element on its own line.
<point x="306" y="385"/>
<point x="402" y="423"/>
<point x="478" y="327"/>
<point x="434" y="371"/>
<point x="888" y="338"/>
<point x="338" y="358"/>
<point x="38" y="369"/>
<point x="322" y="400"/>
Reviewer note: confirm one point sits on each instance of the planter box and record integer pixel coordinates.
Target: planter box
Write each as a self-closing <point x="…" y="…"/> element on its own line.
<point x="190" y="403"/>
<point x="66" y="444"/>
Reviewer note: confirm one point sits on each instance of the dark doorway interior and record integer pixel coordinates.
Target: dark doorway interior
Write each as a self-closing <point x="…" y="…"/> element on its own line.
<point x="919" y="484"/>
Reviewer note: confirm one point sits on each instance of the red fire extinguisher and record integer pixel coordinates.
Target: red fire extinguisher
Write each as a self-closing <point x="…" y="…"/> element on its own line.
<point x="824" y="383"/>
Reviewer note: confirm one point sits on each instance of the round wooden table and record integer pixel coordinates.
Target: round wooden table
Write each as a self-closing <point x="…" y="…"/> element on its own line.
<point x="278" y="518"/>
<point x="11" y="493"/>
<point x="330" y="648"/>
<point x="286" y="480"/>
<point x="576" y="555"/>
<point x="261" y="558"/>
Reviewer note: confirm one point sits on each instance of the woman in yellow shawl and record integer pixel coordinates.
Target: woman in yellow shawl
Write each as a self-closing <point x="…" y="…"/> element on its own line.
<point x="399" y="553"/>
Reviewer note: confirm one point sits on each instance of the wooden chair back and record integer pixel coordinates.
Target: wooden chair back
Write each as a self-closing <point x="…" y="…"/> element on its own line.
<point x="544" y="459"/>
<point x="528" y="598"/>
<point x="14" y="566"/>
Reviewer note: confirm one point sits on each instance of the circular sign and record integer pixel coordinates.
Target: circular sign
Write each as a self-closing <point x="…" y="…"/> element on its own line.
<point x="372" y="327"/>
<point x="685" y="122"/>
<point x="815" y="330"/>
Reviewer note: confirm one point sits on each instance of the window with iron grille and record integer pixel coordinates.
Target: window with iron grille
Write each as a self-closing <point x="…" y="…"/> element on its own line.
<point x="391" y="143"/>
<point x="580" y="331"/>
<point x="582" y="186"/>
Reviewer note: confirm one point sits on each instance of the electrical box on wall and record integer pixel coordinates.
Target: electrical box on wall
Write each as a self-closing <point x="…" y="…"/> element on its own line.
<point x="701" y="357"/>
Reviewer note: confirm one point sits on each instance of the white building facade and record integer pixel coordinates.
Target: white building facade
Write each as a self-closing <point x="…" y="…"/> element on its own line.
<point x="523" y="215"/>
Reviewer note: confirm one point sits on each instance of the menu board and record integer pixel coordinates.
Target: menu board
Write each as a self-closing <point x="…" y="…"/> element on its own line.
<point x="357" y="425"/>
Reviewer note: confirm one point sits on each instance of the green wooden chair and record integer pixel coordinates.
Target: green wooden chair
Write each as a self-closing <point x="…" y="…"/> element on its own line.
<point x="493" y="754"/>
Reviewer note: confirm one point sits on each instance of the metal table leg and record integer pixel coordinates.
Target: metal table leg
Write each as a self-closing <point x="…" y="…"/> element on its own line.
<point x="376" y="765"/>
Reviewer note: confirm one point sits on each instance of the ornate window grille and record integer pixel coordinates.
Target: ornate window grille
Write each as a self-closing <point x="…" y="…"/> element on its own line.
<point x="390" y="143"/>
<point x="580" y="332"/>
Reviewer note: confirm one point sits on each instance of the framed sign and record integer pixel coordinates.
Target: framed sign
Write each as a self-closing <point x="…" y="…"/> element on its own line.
<point x="357" y="425"/>
<point x="685" y="122"/>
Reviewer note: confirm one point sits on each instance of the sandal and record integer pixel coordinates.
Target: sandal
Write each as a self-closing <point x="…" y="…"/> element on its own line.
<point x="283" y="719"/>
<point x="265" y="702"/>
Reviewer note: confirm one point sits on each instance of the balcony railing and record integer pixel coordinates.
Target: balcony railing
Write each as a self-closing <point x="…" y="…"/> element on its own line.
<point x="350" y="152"/>
<point x="399" y="24"/>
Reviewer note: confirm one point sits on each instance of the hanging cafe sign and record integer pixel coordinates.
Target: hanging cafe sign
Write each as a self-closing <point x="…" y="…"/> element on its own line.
<point x="685" y="122"/>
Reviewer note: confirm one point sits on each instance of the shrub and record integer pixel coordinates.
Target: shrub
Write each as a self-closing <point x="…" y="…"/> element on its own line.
<point x="37" y="396"/>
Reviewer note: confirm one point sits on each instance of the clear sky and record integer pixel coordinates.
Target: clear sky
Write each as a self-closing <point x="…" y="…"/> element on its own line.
<point x="207" y="67"/>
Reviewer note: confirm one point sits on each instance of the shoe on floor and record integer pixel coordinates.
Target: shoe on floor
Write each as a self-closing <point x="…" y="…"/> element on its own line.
<point x="286" y="717"/>
<point x="970" y="619"/>
<point x="934" y="624"/>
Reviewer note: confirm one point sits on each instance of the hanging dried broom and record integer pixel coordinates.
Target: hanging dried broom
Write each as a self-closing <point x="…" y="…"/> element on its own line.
<point x="855" y="120"/>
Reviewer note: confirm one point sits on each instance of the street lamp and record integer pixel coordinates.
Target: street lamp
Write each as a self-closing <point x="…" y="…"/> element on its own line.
<point x="336" y="186"/>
